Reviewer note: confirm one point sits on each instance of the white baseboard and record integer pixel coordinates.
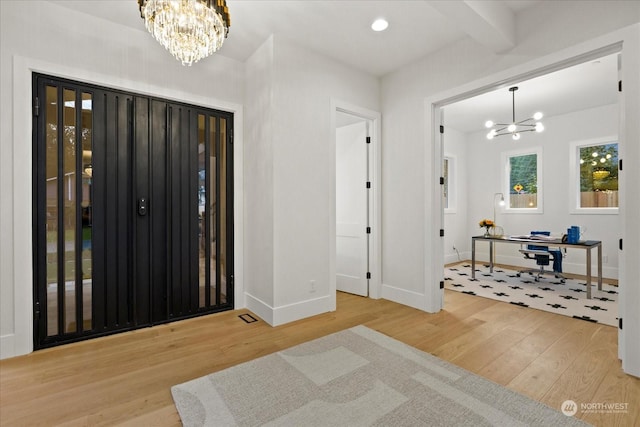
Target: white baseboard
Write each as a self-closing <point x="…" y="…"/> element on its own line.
<point x="275" y="316"/>
<point x="259" y="307"/>
<point x="7" y="346"/>
<point x="300" y="310"/>
<point x="404" y="297"/>
<point x="16" y="344"/>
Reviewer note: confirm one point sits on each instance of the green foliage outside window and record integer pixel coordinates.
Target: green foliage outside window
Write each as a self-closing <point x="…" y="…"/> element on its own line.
<point x="524" y="172"/>
<point x="599" y="168"/>
<point x="523" y="181"/>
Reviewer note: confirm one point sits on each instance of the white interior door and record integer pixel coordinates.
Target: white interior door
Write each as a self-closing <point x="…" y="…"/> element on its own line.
<point x="351" y="208"/>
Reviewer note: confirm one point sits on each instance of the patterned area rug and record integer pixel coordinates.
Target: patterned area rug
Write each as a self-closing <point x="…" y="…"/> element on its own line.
<point x="356" y="377"/>
<point x="568" y="298"/>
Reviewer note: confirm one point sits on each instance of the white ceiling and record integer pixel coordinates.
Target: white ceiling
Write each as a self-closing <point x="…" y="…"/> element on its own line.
<point x="583" y="86"/>
<point x="417" y="28"/>
<point x="339" y="29"/>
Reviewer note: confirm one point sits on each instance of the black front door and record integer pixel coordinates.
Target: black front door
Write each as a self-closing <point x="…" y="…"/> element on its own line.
<point x="133" y="209"/>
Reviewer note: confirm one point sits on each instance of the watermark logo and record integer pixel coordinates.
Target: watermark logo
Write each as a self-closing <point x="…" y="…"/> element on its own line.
<point x="569" y="408"/>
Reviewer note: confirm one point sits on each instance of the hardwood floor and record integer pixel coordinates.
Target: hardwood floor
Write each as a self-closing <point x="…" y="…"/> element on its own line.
<point x="125" y="379"/>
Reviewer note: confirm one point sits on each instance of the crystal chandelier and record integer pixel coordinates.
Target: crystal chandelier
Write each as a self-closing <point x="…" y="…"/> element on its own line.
<point x="515" y="128"/>
<point x="189" y="29"/>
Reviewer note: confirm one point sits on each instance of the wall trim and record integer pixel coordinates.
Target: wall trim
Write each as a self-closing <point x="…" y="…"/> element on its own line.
<point x="406" y="297"/>
<point x="260" y="308"/>
<point x="275" y="316"/>
<point x="299" y="310"/>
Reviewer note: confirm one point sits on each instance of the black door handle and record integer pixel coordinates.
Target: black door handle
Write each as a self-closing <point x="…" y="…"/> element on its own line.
<point x="142" y="206"/>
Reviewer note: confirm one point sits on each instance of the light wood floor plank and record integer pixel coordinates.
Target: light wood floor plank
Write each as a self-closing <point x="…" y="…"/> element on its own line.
<point x="125" y="379"/>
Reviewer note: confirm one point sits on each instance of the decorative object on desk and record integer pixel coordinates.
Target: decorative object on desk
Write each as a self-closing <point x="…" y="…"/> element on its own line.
<point x="356" y="377"/>
<point x="547" y="294"/>
<point x="573" y="234"/>
<point x="496" y="231"/>
<point x="487" y="224"/>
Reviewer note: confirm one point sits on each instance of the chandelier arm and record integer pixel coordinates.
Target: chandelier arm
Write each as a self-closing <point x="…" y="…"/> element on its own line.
<point x="511" y="133"/>
<point x="522" y="122"/>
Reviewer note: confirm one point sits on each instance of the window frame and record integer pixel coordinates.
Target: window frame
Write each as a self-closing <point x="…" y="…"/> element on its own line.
<point x="506" y="185"/>
<point x="451" y="206"/>
<point x="574" y="176"/>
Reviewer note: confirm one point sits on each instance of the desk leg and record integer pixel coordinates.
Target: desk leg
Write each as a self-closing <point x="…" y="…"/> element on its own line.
<point x="490" y="256"/>
<point x="473" y="258"/>
<point x="600" y="267"/>
<point x="589" y="273"/>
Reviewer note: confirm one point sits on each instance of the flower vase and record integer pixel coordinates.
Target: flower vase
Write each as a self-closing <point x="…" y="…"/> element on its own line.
<point x="487" y="233"/>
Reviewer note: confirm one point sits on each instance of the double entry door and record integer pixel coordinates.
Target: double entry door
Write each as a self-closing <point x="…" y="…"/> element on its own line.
<point x="133" y="210"/>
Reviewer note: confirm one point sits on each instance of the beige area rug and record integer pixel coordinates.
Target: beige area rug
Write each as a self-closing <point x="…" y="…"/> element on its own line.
<point x="356" y="377"/>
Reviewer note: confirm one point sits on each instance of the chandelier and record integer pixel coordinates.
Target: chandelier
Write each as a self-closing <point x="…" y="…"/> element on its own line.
<point x="189" y="29"/>
<point x="515" y="128"/>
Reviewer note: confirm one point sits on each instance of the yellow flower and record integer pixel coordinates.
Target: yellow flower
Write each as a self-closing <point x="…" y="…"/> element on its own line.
<point x="486" y="223"/>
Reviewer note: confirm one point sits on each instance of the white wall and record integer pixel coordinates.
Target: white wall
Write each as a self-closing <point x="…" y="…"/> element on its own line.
<point x="483" y="165"/>
<point x="259" y="214"/>
<point x="44" y="37"/>
<point x="303" y="183"/>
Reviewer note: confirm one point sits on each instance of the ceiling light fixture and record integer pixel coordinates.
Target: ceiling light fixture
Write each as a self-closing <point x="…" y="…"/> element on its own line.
<point x="380" y="24"/>
<point x="189" y="29"/>
<point x="515" y="128"/>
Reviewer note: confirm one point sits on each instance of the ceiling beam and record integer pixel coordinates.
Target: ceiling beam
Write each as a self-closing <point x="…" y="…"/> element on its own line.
<point x="490" y="23"/>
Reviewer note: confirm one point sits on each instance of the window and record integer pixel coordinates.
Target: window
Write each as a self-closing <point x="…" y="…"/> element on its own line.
<point x="523" y="180"/>
<point x="595" y="176"/>
<point x="448" y="188"/>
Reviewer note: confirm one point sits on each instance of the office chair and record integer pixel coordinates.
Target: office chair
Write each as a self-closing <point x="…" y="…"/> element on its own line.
<point x="542" y="255"/>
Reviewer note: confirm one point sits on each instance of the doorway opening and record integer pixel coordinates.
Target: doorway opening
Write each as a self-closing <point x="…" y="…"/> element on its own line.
<point x="356" y="241"/>
<point x="352" y="204"/>
<point x="486" y="189"/>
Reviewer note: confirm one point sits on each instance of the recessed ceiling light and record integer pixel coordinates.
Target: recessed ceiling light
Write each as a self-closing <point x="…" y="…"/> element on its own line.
<point x="379" y="25"/>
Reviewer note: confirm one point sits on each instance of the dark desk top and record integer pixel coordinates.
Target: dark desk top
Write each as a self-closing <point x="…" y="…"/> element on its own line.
<point x="538" y="241"/>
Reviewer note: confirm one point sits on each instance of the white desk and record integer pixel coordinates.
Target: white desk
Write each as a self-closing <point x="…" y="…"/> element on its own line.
<point x="586" y="245"/>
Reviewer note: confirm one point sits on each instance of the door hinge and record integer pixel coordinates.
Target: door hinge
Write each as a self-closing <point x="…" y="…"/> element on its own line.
<point x="368" y="275"/>
<point x="620" y="244"/>
<point x="368" y="230"/>
<point x="620" y="164"/>
<point x="36" y="312"/>
<point x="619" y="85"/>
<point x="442" y="232"/>
<point x="231" y="136"/>
<point x="442" y="180"/>
<point x="36" y="106"/>
<point x="368" y="184"/>
<point x="441" y="129"/>
<point x="620" y="323"/>
<point x="368" y="140"/>
<point x="442" y="284"/>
